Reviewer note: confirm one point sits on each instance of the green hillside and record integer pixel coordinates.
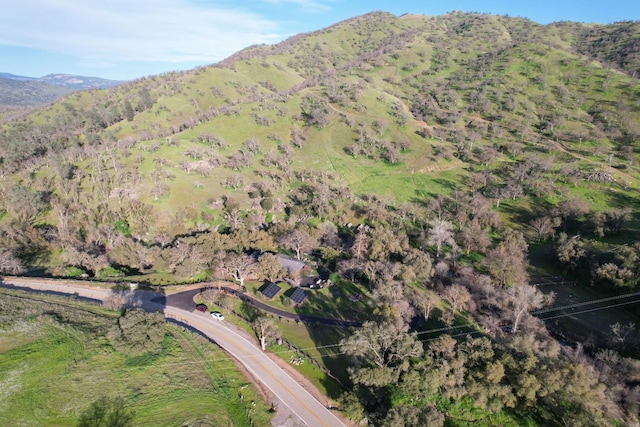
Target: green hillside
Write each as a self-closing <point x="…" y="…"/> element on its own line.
<point x="446" y="163"/>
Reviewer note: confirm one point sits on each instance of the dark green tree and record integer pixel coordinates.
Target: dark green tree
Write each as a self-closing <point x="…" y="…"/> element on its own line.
<point x="128" y="110"/>
<point x="107" y="412"/>
<point x="138" y="332"/>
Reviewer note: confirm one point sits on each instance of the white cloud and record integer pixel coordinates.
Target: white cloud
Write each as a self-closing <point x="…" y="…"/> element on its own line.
<point x="134" y="30"/>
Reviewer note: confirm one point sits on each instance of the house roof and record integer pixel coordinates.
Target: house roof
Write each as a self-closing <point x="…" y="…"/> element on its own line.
<point x="291" y="264"/>
<point x="298" y="295"/>
<point x="270" y="290"/>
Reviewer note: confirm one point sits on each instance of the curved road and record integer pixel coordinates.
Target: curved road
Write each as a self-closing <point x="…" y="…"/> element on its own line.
<point x="184" y="300"/>
<point x="309" y="410"/>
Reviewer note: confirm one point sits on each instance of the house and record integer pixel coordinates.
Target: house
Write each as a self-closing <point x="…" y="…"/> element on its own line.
<point x="293" y="265"/>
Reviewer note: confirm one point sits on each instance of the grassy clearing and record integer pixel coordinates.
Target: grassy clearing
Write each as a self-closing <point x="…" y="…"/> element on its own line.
<point x="52" y="378"/>
<point x="463" y="413"/>
<point x="321" y="343"/>
<point x="340" y="301"/>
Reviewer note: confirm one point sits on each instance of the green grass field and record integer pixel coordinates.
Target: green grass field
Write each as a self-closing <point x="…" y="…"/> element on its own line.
<point x="54" y="365"/>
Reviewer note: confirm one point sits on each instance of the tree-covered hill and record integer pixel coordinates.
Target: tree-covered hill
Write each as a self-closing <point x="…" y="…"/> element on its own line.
<point x="29" y="92"/>
<point x="457" y="157"/>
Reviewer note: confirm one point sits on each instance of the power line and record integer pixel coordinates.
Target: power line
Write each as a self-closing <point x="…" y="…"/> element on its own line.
<point x="429" y="331"/>
<point x="590" y="310"/>
<point x="581" y="304"/>
<point x="206" y="362"/>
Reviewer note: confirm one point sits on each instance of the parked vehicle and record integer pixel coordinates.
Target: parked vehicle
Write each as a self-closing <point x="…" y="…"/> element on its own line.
<point x="202" y="307"/>
<point x="217" y="315"/>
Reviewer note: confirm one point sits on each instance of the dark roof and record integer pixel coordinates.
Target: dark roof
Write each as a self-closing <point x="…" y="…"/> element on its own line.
<point x="307" y="281"/>
<point x="270" y="290"/>
<point x="298" y="295"/>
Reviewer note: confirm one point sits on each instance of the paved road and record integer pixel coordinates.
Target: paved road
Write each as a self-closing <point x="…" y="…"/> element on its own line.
<point x="185" y="300"/>
<point x="288" y="391"/>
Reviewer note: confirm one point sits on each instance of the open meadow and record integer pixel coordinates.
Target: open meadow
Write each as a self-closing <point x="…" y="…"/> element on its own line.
<point x="56" y="362"/>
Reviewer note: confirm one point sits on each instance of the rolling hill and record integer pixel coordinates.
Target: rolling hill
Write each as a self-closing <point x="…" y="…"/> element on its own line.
<point x="398" y="109"/>
<point x="462" y="156"/>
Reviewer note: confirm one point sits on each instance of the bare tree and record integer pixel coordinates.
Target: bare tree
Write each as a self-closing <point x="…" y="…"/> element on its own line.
<point x="265" y="328"/>
<point x="622" y="333"/>
<point x="542" y="227"/>
<point x="381" y="345"/>
<point x="360" y="245"/>
<point x="424" y="302"/>
<point x="299" y="241"/>
<point x="523" y="299"/>
<point x="187" y="259"/>
<point x="251" y="145"/>
<point x="270" y="267"/>
<point x="440" y="233"/>
<point x="474" y="238"/>
<point x="9" y="263"/>
<point x="349" y="268"/>
<point x="458" y="296"/>
<point x="233" y="218"/>
<point x="508" y="261"/>
<point x="237" y="265"/>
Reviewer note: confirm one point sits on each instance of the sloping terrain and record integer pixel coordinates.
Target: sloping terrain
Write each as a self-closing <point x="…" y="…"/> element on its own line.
<point x="424" y="163"/>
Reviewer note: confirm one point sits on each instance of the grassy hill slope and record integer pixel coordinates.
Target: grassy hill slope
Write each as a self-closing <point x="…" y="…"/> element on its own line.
<point x="405" y="107"/>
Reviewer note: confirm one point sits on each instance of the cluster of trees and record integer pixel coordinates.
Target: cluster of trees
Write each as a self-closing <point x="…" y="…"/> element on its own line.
<point x="401" y="379"/>
<point x="411" y="258"/>
<point x="28" y="141"/>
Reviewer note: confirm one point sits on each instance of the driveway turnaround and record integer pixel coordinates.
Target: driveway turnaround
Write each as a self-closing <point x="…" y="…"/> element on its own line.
<point x="287" y="390"/>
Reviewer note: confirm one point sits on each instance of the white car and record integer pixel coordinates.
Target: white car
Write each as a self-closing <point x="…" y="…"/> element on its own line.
<point x="217" y="315"/>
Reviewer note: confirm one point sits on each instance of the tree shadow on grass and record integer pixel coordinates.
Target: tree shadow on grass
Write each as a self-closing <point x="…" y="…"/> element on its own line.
<point x="53" y="293"/>
<point x="334" y="325"/>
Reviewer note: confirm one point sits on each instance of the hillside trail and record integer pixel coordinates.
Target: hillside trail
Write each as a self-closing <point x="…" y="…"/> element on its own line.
<point x="562" y="148"/>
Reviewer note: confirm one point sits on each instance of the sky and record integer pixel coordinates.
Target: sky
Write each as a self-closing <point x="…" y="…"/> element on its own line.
<point x="128" y="39"/>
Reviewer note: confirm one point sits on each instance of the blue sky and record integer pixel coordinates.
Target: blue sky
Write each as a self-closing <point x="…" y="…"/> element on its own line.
<point x="126" y="39"/>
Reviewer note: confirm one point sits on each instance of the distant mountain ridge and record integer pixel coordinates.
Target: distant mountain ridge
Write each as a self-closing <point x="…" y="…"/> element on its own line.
<point x="15" y="77"/>
<point x="25" y="90"/>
